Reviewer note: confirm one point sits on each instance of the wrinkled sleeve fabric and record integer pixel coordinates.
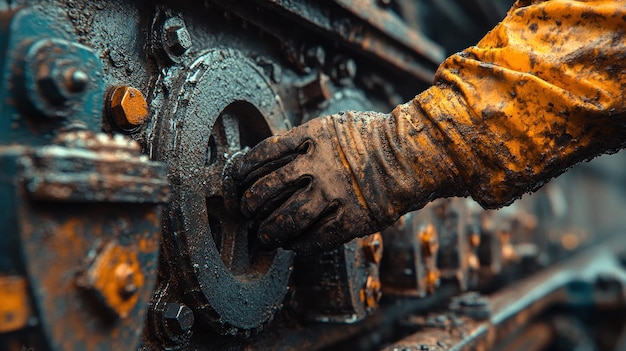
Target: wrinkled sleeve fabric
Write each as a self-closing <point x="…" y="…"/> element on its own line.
<point x="544" y="90"/>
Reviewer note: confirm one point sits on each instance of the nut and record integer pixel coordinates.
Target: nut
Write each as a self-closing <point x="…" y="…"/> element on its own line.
<point x="176" y="38"/>
<point x="76" y="80"/>
<point x="124" y="274"/>
<point x="178" y="319"/>
<point x="128" y="108"/>
<point x="114" y="278"/>
<point x="61" y="82"/>
<point x="472" y="304"/>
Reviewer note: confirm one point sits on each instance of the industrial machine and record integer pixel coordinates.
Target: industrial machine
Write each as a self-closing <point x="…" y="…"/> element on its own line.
<point x="120" y="125"/>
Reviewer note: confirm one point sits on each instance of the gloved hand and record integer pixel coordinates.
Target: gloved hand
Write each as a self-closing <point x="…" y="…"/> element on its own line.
<point x="342" y="176"/>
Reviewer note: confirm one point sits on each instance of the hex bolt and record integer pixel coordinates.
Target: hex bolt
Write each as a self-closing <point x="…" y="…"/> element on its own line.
<point x="77" y="80"/>
<point x="124" y="275"/>
<point x="177" y="320"/>
<point x="61" y="82"/>
<point x="176" y="36"/>
<point x="344" y="69"/>
<point x="127" y="108"/>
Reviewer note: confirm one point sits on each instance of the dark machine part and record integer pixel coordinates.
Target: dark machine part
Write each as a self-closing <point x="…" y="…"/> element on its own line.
<point x="320" y="282"/>
<point x="410" y="255"/>
<point x="215" y="108"/>
<point x="123" y="120"/>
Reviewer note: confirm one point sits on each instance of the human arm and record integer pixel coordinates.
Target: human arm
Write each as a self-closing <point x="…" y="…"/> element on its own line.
<point x="539" y="93"/>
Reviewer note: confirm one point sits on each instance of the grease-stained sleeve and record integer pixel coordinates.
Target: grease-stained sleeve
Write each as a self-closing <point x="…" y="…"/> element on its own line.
<point x="545" y="89"/>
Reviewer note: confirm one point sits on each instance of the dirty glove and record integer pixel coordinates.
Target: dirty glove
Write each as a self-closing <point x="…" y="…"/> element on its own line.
<point x="342" y="176"/>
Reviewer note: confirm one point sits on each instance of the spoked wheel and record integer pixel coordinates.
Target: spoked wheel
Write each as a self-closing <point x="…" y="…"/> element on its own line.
<point x="216" y="108"/>
<point x="233" y="237"/>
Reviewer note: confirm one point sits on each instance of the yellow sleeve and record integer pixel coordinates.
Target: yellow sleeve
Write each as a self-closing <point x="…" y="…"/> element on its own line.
<point x="545" y="89"/>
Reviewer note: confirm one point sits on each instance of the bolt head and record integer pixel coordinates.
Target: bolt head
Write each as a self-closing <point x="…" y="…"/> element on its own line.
<point x="60" y="81"/>
<point x="178" y="318"/>
<point x="114" y="278"/>
<point x="124" y="274"/>
<point x="343" y="70"/>
<point x="175" y="37"/>
<point x="77" y="80"/>
<point x="315" y="56"/>
<point x="128" y="108"/>
<point x="347" y="68"/>
<point x="178" y="40"/>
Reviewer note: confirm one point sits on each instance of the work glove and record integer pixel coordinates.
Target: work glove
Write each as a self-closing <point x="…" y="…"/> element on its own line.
<point x="342" y="176"/>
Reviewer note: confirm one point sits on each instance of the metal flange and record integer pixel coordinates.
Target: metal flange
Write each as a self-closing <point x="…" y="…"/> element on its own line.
<point x="216" y="107"/>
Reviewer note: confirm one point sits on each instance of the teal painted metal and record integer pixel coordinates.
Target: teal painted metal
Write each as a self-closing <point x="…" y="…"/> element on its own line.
<point x="39" y="52"/>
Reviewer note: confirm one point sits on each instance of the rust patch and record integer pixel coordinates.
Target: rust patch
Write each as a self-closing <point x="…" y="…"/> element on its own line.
<point x="127" y="107"/>
<point x="15" y="309"/>
<point x="115" y="278"/>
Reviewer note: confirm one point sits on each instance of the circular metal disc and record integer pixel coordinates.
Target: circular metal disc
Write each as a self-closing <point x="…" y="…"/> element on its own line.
<point x="218" y="106"/>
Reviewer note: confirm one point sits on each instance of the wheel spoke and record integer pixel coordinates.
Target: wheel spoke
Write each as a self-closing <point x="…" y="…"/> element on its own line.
<point x="234" y="250"/>
<point x="213" y="180"/>
<point x="230" y="125"/>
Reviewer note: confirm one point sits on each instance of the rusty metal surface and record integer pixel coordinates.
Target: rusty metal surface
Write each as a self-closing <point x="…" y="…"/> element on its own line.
<point x="15" y="310"/>
<point x="595" y="277"/>
<point x="127" y="107"/>
<point x="342" y="285"/>
<point x="89" y="249"/>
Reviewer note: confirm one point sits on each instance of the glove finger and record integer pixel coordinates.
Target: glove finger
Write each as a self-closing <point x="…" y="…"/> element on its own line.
<point x="293" y="217"/>
<point x="269" y="155"/>
<point x="270" y="191"/>
<point x="328" y="233"/>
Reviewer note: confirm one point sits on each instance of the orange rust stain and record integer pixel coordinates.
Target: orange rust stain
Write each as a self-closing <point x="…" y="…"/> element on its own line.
<point x="355" y="185"/>
<point x="373" y="247"/>
<point x="431" y="280"/>
<point x="372" y="286"/>
<point x="154" y="218"/>
<point x="116" y="277"/>
<point x="128" y="107"/>
<point x="428" y="240"/>
<point x="148" y="245"/>
<point x="15" y="309"/>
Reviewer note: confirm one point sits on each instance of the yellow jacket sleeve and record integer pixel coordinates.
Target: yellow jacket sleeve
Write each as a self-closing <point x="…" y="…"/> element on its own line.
<point x="545" y="89"/>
